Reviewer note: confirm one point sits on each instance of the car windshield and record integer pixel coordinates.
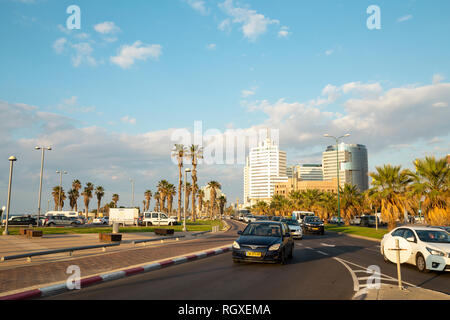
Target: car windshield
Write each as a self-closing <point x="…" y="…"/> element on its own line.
<point x="433" y="236"/>
<point x="263" y="230"/>
<point x="312" y="219"/>
<point x="291" y="222"/>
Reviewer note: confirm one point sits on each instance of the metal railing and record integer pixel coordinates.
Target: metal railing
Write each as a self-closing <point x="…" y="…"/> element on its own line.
<point x="157" y="239"/>
<point x="69" y="250"/>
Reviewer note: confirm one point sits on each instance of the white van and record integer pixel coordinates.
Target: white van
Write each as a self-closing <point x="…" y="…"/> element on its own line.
<point x="158" y="219"/>
<point x="299" y="215"/>
<point x="69" y="214"/>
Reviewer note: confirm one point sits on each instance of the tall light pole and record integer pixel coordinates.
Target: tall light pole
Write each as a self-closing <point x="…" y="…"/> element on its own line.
<point x="40" y="180"/>
<point x="3" y="211"/>
<point x="132" y="192"/>
<point x="185" y="191"/>
<point x="337" y="166"/>
<point x="11" y="159"/>
<point x="60" y="187"/>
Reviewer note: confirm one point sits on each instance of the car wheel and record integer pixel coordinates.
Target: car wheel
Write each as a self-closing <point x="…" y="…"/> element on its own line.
<point x="421" y="264"/>
<point x="51" y="224"/>
<point x="283" y="259"/>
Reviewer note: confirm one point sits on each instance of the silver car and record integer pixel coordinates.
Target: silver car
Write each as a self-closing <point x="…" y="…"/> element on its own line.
<point x="295" y="228"/>
<point x="53" y="221"/>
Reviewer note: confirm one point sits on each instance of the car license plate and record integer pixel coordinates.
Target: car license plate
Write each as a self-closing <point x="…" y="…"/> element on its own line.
<point x="253" y="254"/>
<point x="315" y="228"/>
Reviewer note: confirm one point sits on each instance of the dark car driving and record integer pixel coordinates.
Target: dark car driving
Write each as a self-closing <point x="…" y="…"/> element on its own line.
<point x="264" y="241"/>
<point x="313" y="224"/>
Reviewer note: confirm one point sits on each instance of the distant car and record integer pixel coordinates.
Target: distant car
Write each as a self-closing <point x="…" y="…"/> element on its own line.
<point x="261" y="218"/>
<point x="53" y="221"/>
<point x="248" y="218"/>
<point x="355" y="221"/>
<point x="21" y="221"/>
<point x="430" y="247"/>
<point x="336" y="220"/>
<point x="264" y="241"/>
<point x="443" y="228"/>
<point x="103" y="220"/>
<point x="369" y="221"/>
<point x="295" y="228"/>
<point x="79" y="219"/>
<point x="313" y="224"/>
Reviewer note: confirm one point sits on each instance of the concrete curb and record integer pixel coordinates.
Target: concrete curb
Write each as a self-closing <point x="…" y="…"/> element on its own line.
<point x="355" y="236"/>
<point x="85" y="282"/>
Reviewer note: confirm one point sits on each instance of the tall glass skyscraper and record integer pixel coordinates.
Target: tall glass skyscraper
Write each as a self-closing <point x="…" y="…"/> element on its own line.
<point x="353" y="161"/>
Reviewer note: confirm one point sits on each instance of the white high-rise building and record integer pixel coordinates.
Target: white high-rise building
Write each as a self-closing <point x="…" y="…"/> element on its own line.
<point x="353" y="162"/>
<point x="310" y="172"/>
<point x="265" y="167"/>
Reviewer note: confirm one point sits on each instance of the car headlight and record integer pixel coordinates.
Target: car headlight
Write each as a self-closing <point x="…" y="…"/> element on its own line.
<point x="435" y="252"/>
<point x="236" y="245"/>
<point x="274" y="247"/>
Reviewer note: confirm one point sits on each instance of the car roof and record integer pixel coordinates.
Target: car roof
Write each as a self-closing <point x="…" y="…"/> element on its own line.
<point x="266" y="222"/>
<point x="421" y="228"/>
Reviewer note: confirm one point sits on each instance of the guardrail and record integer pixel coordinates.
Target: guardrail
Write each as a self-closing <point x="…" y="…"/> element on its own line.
<point x="156" y="239"/>
<point x="69" y="250"/>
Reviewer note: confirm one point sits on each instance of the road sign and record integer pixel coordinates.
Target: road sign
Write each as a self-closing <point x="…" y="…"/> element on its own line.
<point x="390" y="249"/>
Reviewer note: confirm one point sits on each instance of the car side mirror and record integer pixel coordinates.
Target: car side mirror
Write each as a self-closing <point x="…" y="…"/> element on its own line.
<point x="239" y="232"/>
<point x="411" y="239"/>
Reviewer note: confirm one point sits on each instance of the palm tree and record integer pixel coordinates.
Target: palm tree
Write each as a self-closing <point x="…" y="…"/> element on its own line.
<point x="222" y="201"/>
<point x="260" y="208"/>
<point x="201" y="196"/>
<point x="280" y="205"/>
<point x="57" y="191"/>
<point x="390" y="185"/>
<point x="148" y="198"/>
<point x="213" y="187"/>
<point x="171" y="192"/>
<point x="99" y="192"/>
<point x="179" y="151"/>
<point x="195" y="152"/>
<point x="156" y="196"/>
<point x="431" y="181"/>
<point x="351" y="200"/>
<point x="162" y="189"/>
<point x="186" y="199"/>
<point x="76" y="185"/>
<point x="115" y="199"/>
<point x="73" y="196"/>
<point x="87" y="194"/>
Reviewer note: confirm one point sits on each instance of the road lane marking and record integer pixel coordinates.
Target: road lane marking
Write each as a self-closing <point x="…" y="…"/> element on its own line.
<point x="323" y="253"/>
<point x="328" y="245"/>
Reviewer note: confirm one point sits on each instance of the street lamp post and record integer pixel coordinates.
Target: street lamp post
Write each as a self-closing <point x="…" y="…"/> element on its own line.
<point x="185" y="191"/>
<point x="337" y="166"/>
<point x="40" y="180"/>
<point x="132" y="192"/>
<point x="11" y="159"/>
<point x="60" y="187"/>
<point x="3" y="211"/>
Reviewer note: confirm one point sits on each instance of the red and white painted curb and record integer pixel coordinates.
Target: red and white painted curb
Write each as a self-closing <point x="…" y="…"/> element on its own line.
<point x="62" y="287"/>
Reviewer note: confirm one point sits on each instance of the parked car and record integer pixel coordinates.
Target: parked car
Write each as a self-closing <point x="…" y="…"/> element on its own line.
<point x="369" y="221"/>
<point x="355" y="221"/>
<point x="264" y="241"/>
<point x="21" y="221"/>
<point x="53" y="221"/>
<point x="158" y="219"/>
<point x="295" y="228"/>
<point x="336" y="220"/>
<point x="430" y="247"/>
<point x="103" y="220"/>
<point x="313" y="224"/>
<point x="79" y="219"/>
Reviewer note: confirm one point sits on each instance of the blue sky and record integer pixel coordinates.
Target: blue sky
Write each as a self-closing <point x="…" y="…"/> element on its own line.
<point x="137" y="69"/>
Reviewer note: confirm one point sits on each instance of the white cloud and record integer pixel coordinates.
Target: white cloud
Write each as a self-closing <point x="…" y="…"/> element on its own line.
<point x="438" y="78"/>
<point x="440" y="104"/>
<point x="405" y="18"/>
<point x="329" y="52"/>
<point x="128" y="120"/>
<point x="83" y="54"/>
<point x="225" y="25"/>
<point x="253" y="24"/>
<point x="248" y="93"/>
<point x="137" y="51"/>
<point x="59" y="45"/>
<point x="198" y="5"/>
<point x="106" y="27"/>
<point x="211" y="46"/>
<point x="284" y="32"/>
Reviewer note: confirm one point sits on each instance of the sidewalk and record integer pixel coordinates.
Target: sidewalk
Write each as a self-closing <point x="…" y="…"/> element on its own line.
<point x="34" y="276"/>
<point x="392" y="292"/>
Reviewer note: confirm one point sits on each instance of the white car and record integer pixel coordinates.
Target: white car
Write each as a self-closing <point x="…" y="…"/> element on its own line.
<point x="158" y="219"/>
<point x="104" y="220"/>
<point x="430" y="247"/>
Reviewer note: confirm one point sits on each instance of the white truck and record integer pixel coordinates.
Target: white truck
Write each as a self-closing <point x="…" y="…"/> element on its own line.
<point x="299" y="215"/>
<point x="123" y="216"/>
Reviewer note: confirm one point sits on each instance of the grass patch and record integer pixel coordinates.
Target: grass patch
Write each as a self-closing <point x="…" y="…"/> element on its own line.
<point x="199" y="225"/>
<point x="360" y="231"/>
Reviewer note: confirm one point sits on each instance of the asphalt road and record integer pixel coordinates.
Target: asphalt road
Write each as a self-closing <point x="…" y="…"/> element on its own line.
<point x="324" y="267"/>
